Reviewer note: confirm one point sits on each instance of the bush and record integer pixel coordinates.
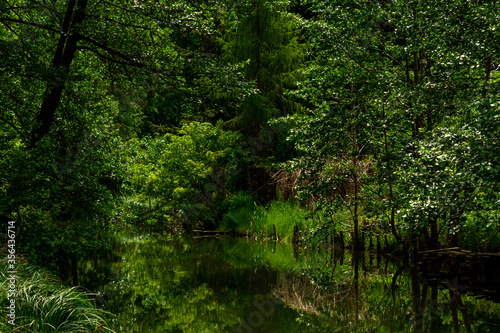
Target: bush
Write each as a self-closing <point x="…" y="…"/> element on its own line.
<point x="192" y="172"/>
<point x="481" y="231"/>
<point x="239" y="219"/>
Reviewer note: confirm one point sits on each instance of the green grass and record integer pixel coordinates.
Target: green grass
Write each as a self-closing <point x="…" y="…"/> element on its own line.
<point x="284" y="215"/>
<point x="259" y="220"/>
<point x="239" y="219"/>
<point x="44" y="304"/>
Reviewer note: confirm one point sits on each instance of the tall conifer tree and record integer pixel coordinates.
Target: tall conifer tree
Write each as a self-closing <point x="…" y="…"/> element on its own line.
<point x="266" y="38"/>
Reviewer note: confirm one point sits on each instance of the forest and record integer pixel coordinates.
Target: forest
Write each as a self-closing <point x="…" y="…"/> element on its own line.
<point x="370" y="124"/>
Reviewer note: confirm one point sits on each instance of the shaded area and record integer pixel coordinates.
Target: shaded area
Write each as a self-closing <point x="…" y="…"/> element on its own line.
<point x="174" y="284"/>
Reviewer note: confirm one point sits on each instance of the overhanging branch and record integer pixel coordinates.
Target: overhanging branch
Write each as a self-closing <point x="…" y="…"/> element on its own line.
<point x="34" y="24"/>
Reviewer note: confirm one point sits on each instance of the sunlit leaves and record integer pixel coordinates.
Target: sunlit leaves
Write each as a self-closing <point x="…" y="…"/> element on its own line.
<point x="190" y="168"/>
<point x="405" y="83"/>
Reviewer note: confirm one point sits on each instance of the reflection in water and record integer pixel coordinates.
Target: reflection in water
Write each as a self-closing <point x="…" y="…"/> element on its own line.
<point x="231" y="285"/>
<point x="427" y="306"/>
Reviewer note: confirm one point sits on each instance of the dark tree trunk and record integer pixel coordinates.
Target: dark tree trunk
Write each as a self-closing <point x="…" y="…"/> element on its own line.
<point x="434" y="241"/>
<point x="64" y="55"/>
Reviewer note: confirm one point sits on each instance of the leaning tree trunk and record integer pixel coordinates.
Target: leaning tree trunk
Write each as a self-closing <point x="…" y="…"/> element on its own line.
<point x="63" y="57"/>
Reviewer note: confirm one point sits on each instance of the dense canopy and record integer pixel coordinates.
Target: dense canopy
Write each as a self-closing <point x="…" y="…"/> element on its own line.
<point x="119" y="113"/>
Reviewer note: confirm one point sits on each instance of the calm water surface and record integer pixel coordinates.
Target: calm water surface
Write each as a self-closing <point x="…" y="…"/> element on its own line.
<point x="234" y="285"/>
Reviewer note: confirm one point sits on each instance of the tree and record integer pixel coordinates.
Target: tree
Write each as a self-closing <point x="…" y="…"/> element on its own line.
<point x="66" y="67"/>
<point x="193" y="173"/>
<point x="266" y="39"/>
<point x="67" y="32"/>
<point x="391" y="77"/>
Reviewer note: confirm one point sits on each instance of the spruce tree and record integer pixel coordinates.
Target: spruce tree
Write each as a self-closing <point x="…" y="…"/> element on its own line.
<point x="266" y="38"/>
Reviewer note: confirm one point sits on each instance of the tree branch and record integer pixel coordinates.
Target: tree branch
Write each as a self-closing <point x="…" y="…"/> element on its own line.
<point x="127" y="60"/>
<point x="38" y="25"/>
<point x="130" y="25"/>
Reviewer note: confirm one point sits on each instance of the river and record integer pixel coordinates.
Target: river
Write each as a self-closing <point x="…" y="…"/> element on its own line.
<point x="178" y="284"/>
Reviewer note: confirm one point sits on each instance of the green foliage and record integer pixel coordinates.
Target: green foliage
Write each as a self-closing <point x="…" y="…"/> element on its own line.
<point x="239" y="211"/>
<point x="45" y="241"/>
<point x="453" y="177"/>
<point x="191" y="172"/>
<point x="260" y="221"/>
<point x="480" y="231"/>
<point x="399" y="116"/>
<point x="265" y="38"/>
<point x="44" y="304"/>
<point x="398" y="112"/>
<point x="66" y="109"/>
<point x="238" y="200"/>
<point x="66" y="185"/>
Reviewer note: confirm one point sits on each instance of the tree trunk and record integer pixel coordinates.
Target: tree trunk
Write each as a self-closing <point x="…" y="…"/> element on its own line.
<point x="434" y="241"/>
<point x="64" y="55"/>
<point x="488" y="69"/>
<point x="391" y="195"/>
<point x="357" y="241"/>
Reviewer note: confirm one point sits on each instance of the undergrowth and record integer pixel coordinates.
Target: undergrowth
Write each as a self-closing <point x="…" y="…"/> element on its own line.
<point x="44" y="304"/>
<point x="260" y="220"/>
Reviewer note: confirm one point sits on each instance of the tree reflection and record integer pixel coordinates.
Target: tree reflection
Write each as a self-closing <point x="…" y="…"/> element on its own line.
<point x="213" y="285"/>
<point x="430" y="310"/>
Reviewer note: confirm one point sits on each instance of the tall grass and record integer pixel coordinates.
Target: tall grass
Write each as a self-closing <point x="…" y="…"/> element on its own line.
<point x="284" y="215"/>
<point x="259" y="220"/>
<point x="44" y="304"/>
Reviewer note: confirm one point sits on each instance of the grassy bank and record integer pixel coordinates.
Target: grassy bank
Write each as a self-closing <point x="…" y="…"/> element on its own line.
<point x="44" y="304"/>
<point x="261" y="221"/>
<point x="315" y="229"/>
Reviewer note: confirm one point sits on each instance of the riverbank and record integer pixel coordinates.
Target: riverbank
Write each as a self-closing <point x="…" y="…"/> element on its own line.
<point x="37" y="302"/>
